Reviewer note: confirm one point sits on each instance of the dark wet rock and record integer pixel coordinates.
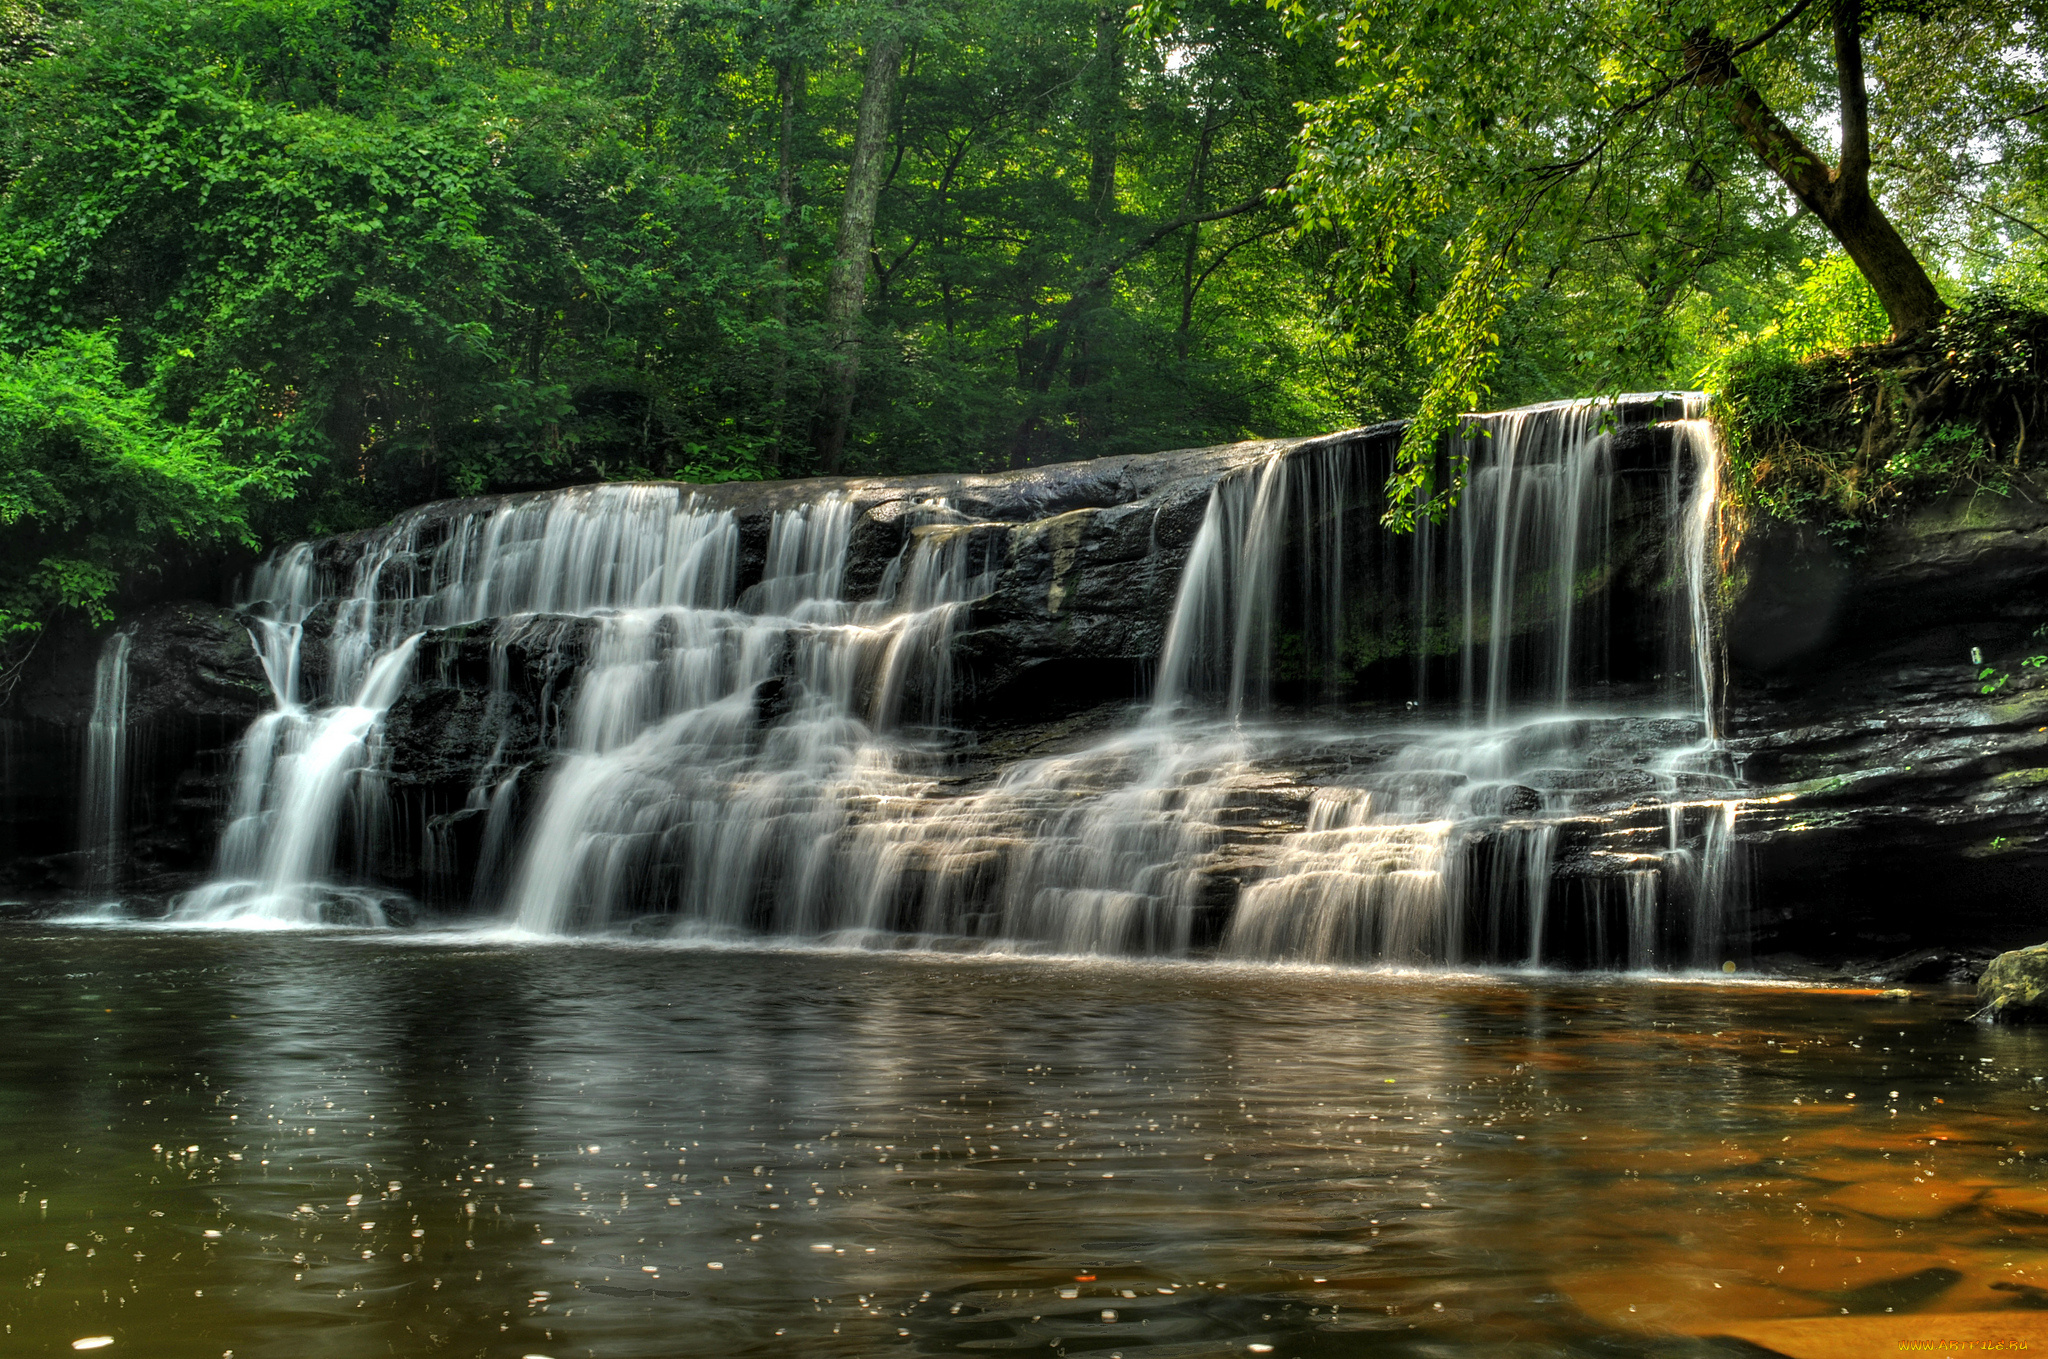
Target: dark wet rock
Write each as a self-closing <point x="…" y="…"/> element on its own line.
<point x="40" y="741"/>
<point x="1897" y="805"/>
<point x="1929" y="967"/>
<point x="2015" y="986"/>
<point x="194" y="685"/>
<point x="451" y="731"/>
<point x="1506" y="799"/>
<point x="192" y="662"/>
<point x="774" y="699"/>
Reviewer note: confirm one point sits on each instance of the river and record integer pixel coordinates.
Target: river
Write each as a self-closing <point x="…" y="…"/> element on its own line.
<point x="338" y="1143"/>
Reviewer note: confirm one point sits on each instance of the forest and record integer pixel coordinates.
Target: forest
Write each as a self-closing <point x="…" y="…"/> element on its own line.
<point x="278" y="267"/>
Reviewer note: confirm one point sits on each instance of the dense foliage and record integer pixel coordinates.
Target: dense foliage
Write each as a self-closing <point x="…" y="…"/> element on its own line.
<point x="1565" y="160"/>
<point x="94" y="481"/>
<point x="517" y="245"/>
<point x="271" y="267"/>
<point x="1841" y="437"/>
<point x="383" y="251"/>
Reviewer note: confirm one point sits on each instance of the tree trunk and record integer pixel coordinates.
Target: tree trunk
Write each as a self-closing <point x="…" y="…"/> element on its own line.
<point x="1040" y="355"/>
<point x="1105" y="88"/>
<point x="1893" y="270"/>
<point x="846" y="289"/>
<point x="1104" y="84"/>
<point x="370" y="29"/>
<point x="1191" y="254"/>
<point x="787" y="81"/>
<point x="1840" y="198"/>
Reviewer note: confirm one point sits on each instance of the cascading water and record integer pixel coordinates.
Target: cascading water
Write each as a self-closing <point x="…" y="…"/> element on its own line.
<point x="103" y="809"/>
<point x="776" y="759"/>
<point x="1446" y="848"/>
<point x="674" y="789"/>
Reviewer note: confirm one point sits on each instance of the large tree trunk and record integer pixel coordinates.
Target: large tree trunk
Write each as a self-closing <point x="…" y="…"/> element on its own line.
<point x="1042" y="355"/>
<point x="1105" y="99"/>
<point x="1105" y="86"/>
<point x="788" y="78"/>
<point x="1191" y="253"/>
<point x="846" y="290"/>
<point x="1840" y="198"/>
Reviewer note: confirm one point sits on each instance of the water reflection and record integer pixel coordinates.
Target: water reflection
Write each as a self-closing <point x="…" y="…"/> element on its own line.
<point x="342" y="1145"/>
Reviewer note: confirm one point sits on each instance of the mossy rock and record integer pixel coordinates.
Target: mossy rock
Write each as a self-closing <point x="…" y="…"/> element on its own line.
<point x="2015" y="987"/>
<point x="2030" y="708"/>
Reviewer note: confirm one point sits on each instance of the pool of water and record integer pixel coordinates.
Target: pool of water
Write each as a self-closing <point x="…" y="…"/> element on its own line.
<point x="342" y="1144"/>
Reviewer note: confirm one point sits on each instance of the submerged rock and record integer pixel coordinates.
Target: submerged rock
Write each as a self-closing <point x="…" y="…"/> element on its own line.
<point x="2015" y="986"/>
<point x="1931" y="966"/>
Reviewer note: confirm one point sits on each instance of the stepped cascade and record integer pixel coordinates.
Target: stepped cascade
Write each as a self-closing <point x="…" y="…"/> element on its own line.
<point x="1491" y="740"/>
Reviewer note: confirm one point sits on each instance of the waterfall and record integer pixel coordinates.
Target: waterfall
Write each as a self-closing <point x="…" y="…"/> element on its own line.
<point x="1220" y="635"/>
<point x="1448" y="847"/>
<point x="308" y="772"/>
<point x="300" y="770"/>
<point x="103" y="809"/>
<point x="1697" y="553"/>
<point x="1533" y="513"/>
<point x="717" y="757"/>
<point x="1355" y="883"/>
<point x="1642" y="887"/>
<point x="748" y="749"/>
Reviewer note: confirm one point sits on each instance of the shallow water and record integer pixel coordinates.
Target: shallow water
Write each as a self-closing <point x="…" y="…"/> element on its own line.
<point x="333" y="1144"/>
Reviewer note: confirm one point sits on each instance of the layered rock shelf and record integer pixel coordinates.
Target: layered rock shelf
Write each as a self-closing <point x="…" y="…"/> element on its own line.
<point x="1882" y="804"/>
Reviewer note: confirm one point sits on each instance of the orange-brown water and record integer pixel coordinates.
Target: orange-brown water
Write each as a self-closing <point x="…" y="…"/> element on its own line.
<point x="323" y="1144"/>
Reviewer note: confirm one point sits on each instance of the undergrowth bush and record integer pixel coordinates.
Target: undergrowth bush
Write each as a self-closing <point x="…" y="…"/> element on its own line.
<point x="1843" y="437"/>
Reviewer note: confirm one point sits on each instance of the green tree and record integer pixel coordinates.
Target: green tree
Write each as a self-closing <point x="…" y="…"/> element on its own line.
<point x="846" y="289"/>
<point x="95" y="485"/>
<point x="1611" y="155"/>
<point x="398" y="249"/>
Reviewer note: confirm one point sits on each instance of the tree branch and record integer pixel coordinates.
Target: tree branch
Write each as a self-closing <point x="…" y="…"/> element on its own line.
<point x="1710" y="63"/>
<point x="1997" y="211"/>
<point x="1689" y="75"/>
<point x="1232" y="248"/>
<point x="1109" y="270"/>
<point x="1784" y="20"/>
<point x="1565" y="169"/>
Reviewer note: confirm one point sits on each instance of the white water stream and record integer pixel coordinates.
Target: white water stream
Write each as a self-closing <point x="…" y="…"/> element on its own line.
<point x="103" y="804"/>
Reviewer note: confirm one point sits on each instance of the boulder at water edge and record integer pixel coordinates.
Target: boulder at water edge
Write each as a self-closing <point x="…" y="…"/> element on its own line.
<point x="2015" y="986"/>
